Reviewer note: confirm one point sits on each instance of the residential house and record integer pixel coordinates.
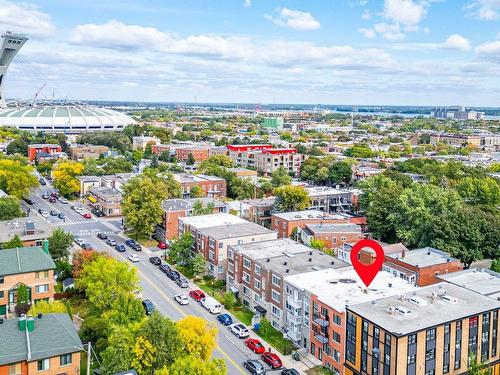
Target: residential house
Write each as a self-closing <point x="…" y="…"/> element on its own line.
<point x="87" y="182"/>
<point x="212" y="186"/>
<point x="332" y="236"/>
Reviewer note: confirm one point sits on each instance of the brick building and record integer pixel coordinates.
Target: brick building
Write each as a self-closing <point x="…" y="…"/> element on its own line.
<point x="333" y="236"/>
<point x="47" y="150"/>
<point x="212" y="186"/>
<point x="199" y="153"/>
<point x="81" y="152"/>
<point x="32" y="230"/>
<point x="107" y="200"/>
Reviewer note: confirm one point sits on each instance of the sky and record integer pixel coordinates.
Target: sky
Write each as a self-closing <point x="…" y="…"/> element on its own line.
<point x="349" y="52"/>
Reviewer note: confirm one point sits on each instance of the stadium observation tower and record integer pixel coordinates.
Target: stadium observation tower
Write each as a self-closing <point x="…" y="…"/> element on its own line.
<point x="11" y="44"/>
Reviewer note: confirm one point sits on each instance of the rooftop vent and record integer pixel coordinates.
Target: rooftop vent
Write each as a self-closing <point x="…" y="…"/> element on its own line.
<point x="310" y="253"/>
<point x="332" y="262"/>
<point x="287" y="270"/>
<point x="418" y="301"/>
<point x="285" y="263"/>
<point x="402" y="310"/>
<point x="428" y="253"/>
<point x="347" y="281"/>
<point x="268" y="260"/>
<point x="449" y="299"/>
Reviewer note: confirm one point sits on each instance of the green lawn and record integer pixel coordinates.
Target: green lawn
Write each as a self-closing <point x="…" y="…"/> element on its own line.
<point x="318" y="370"/>
<point x="143" y="239"/>
<point x="275" y="338"/>
<point x="244" y="315"/>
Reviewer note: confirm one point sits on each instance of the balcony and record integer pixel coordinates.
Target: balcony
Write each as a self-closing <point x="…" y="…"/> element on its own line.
<point x="293" y="319"/>
<point x="321" y="322"/>
<point x="294" y="335"/>
<point x="296" y="303"/>
<point x="322" y="339"/>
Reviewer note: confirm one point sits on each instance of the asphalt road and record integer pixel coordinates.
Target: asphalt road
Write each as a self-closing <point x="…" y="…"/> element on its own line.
<point x="156" y="286"/>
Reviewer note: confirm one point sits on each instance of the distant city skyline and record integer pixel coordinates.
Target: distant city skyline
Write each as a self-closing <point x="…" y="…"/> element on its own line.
<point x="370" y="52"/>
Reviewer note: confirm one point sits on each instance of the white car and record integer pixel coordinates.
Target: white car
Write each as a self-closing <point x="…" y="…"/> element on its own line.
<point x="182" y="299"/>
<point x="44" y="213"/>
<point x="63" y="200"/>
<point x="79" y="241"/>
<point x="239" y="330"/>
<point x="78" y="209"/>
<point x="133" y="258"/>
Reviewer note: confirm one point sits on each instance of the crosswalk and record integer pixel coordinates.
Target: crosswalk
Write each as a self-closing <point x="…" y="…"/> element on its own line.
<point x="66" y="223"/>
<point x="83" y="233"/>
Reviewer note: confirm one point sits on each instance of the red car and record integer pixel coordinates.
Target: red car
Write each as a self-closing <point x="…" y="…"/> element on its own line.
<point x="197" y="295"/>
<point x="162" y="245"/>
<point x="87" y="216"/>
<point x="272" y="360"/>
<point x="52" y="200"/>
<point x="255" y="346"/>
<point x="54" y="194"/>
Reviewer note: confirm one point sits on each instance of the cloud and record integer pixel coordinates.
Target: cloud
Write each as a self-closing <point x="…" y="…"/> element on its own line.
<point x="366" y="15"/>
<point x="368" y="33"/>
<point x="247" y="3"/>
<point x="25" y="18"/>
<point x="457" y="42"/>
<point x="391" y="32"/>
<point x="488" y="10"/>
<point x="294" y="19"/>
<point x="488" y="48"/>
<point x="407" y="13"/>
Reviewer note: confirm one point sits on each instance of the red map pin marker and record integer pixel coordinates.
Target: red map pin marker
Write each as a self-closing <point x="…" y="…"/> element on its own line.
<point x="367" y="272"/>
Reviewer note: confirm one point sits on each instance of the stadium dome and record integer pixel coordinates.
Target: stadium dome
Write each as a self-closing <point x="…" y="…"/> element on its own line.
<point x="64" y="119"/>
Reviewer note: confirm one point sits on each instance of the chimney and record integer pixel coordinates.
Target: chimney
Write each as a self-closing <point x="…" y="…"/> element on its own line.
<point x="310" y="259"/>
<point x="403" y="254"/>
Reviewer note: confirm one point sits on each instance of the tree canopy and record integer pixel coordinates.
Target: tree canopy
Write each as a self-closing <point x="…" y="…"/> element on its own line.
<point x="65" y="180"/>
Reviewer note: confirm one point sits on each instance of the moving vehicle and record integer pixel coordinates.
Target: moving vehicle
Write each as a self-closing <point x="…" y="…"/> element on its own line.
<point x="155" y="260"/>
<point x="45" y="195"/>
<point x="137" y="247"/>
<point x="162" y="245"/>
<point x="173" y="275"/>
<point x="42" y="181"/>
<point x="78" y="209"/>
<point x="289" y="371"/>
<point x="239" y="330"/>
<point x="225" y="319"/>
<point x="130" y="243"/>
<point x="164" y="268"/>
<point x="182" y="282"/>
<point x="182" y="299"/>
<point x="197" y="295"/>
<point x="53" y="213"/>
<point x="120" y="248"/>
<point x="29" y="201"/>
<point x="149" y="308"/>
<point x="133" y="258"/>
<point x="102" y="236"/>
<point x="44" y="213"/>
<point x="272" y="360"/>
<point x="212" y="305"/>
<point x="61" y="215"/>
<point x="63" y="200"/>
<point x="111" y="242"/>
<point x="255" y="346"/>
<point x="254" y="366"/>
<point x="87" y="215"/>
<point x="79" y="241"/>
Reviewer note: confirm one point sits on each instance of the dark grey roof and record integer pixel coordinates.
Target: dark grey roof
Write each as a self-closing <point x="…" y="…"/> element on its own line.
<point x="54" y="335"/>
<point x="23" y="260"/>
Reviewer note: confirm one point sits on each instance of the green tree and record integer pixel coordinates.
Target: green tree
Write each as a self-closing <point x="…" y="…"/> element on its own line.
<point x="229" y="300"/>
<point x="18" y="146"/>
<point x="137" y="155"/>
<point x="47" y="307"/>
<point x="44" y="167"/>
<point x="215" y="161"/>
<point x="317" y="244"/>
<point x="118" y="354"/>
<point x="291" y="198"/>
<point x="340" y="172"/>
<point x="196" y="192"/>
<point x="59" y="243"/>
<point x="360" y="151"/>
<point x="13" y="243"/>
<point x="495" y="265"/>
<point x="193" y="365"/>
<point x="266" y="187"/>
<point x="199" y="210"/>
<point x="65" y="180"/>
<point x="197" y="264"/>
<point x="477" y="368"/>
<point x="485" y="191"/>
<point x="16" y="177"/>
<point x="10" y="208"/>
<point x="190" y="160"/>
<point x="22" y="295"/>
<point x="280" y="177"/>
<point x="180" y="249"/>
<point x="144" y="354"/>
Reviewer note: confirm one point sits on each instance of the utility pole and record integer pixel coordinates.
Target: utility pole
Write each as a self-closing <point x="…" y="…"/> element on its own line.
<point x="89" y="356"/>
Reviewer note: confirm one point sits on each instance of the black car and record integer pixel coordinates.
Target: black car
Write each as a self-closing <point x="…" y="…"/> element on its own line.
<point x="137" y="247"/>
<point x="97" y="213"/>
<point x="130" y="243"/>
<point x="164" y="268"/>
<point x="182" y="282"/>
<point x="173" y="275"/>
<point x="102" y="236"/>
<point x="29" y="201"/>
<point x="61" y="215"/>
<point x="289" y="371"/>
<point x="42" y="181"/>
<point x="54" y="213"/>
<point x="120" y="248"/>
<point x="155" y="260"/>
<point x="148" y="306"/>
<point x="254" y="367"/>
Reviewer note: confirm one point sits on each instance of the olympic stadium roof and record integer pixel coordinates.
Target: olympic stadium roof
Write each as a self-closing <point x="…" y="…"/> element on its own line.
<point x="64" y="118"/>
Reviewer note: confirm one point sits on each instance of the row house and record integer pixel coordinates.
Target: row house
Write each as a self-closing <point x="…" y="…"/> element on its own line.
<point x="199" y="154"/>
<point x="29" y="266"/>
<point x="367" y="255"/>
<point x="173" y="209"/>
<point x="315" y="317"/>
<point x="437" y="329"/>
<point x="333" y="236"/>
<point x="47" y="344"/>
<point x="331" y="200"/>
<point x="212" y="186"/>
<point x="256" y="272"/>
<point x="32" y="230"/>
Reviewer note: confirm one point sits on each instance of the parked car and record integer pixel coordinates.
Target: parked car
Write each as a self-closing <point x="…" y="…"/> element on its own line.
<point x="173" y="275"/>
<point x="111" y="242"/>
<point x="164" y="268"/>
<point x="182" y="282"/>
<point x="120" y="248"/>
<point x="45" y="196"/>
<point x="53" y="213"/>
<point x="149" y="308"/>
<point x="102" y="236"/>
<point x="211" y="304"/>
<point x="272" y="360"/>
<point x="155" y="260"/>
<point x="137" y="247"/>
<point x="79" y="241"/>
<point x="63" y="200"/>
<point x="162" y="245"/>
<point x="52" y="200"/>
<point x="97" y="212"/>
<point x="255" y="346"/>
<point x="182" y="299"/>
<point x="133" y="258"/>
<point x="130" y="243"/>
<point x="29" y="201"/>
<point x="87" y="215"/>
<point x="197" y="295"/>
<point x="61" y="215"/>
<point x="77" y="209"/>
<point x="289" y="371"/>
<point x="42" y="181"/>
<point x="87" y="246"/>
<point x="239" y="330"/>
<point x="43" y="213"/>
<point x="54" y="194"/>
<point x="254" y="366"/>
<point x="225" y="319"/>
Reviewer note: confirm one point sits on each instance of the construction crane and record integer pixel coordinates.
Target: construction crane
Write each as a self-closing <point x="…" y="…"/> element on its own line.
<point x="33" y="103"/>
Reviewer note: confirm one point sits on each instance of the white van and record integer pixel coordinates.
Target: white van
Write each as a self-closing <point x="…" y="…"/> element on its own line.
<point x="211" y="305"/>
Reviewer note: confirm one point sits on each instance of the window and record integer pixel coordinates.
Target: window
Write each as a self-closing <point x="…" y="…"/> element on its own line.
<point x="276" y="280"/>
<point x="211" y="255"/>
<point x="42" y="288"/>
<point x="65" y="359"/>
<point x="276" y="312"/>
<point x="220" y="269"/>
<point x="1" y="279"/>
<point x="336" y="355"/>
<point x="230" y="254"/>
<point x="42" y="275"/>
<point x="337" y="319"/>
<point x="15" y="369"/>
<point x="221" y="245"/>
<point x="275" y="296"/>
<point x="245" y="291"/>
<point x="412" y="358"/>
<point x="256" y="284"/>
<point x="430" y="334"/>
<point x="43" y="364"/>
<point x="343" y="238"/>
<point x="1" y="293"/>
<point x="336" y="337"/>
<point x="246" y="277"/>
<point x="257" y="270"/>
<point x="246" y="263"/>
<point x="473" y="322"/>
<point x="412" y="339"/>
<point x="430" y="354"/>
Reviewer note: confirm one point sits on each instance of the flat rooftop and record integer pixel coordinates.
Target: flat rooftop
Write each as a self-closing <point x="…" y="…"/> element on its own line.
<point x="340" y="287"/>
<point x="439" y="303"/>
<point x="186" y="178"/>
<point x="321" y="190"/>
<point x="104" y="190"/>
<point x="334" y="228"/>
<point x="308" y="214"/>
<point x="235" y="230"/>
<point x="424" y="257"/>
<point x="479" y="280"/>
<point x="214" y="220"/>
<point x="9" y="228"/>
<point x="264" y="202"/>
<point x="187" y="204"/>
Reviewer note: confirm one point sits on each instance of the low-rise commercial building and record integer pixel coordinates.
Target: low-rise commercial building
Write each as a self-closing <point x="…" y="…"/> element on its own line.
<point x="32" y="230"/>
<point x="107" y="200"/>
<point x="88" y="182"/>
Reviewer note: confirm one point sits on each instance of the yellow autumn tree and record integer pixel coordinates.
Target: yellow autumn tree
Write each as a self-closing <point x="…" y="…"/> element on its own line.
<point x="65" y="177"/>
<point x="144" y="355"/>
<point x="198" y="336"/>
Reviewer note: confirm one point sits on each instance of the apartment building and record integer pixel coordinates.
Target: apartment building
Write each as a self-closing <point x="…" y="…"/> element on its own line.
<point x="333" y="236"/>
<point x="140" y="142"/>
<point x="32" y="230"/>
<point x="456" y="140"/>
<point x="432" y="330"/>
<point x="315" y="308"/>
<point x="331" y="200"/>
<point x="30" y="266"/>
<point x="288" y="223"/>
<point x="87" y="182"/>
<point x="255" y="210"/>
<point x="47" y="344"/>
<point x="81" y="152"/>
<point x="367" y="256"/>
<point x="425" y="264"/>
<point x="173" y="209"/>
<point x="199" y="153"/>
<point x="212" y="186"/>
<point x="256" y="272"/>
<point x="480" y="280"/>
<point x="45" y="150"/>
<point x="107" y="200"/>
